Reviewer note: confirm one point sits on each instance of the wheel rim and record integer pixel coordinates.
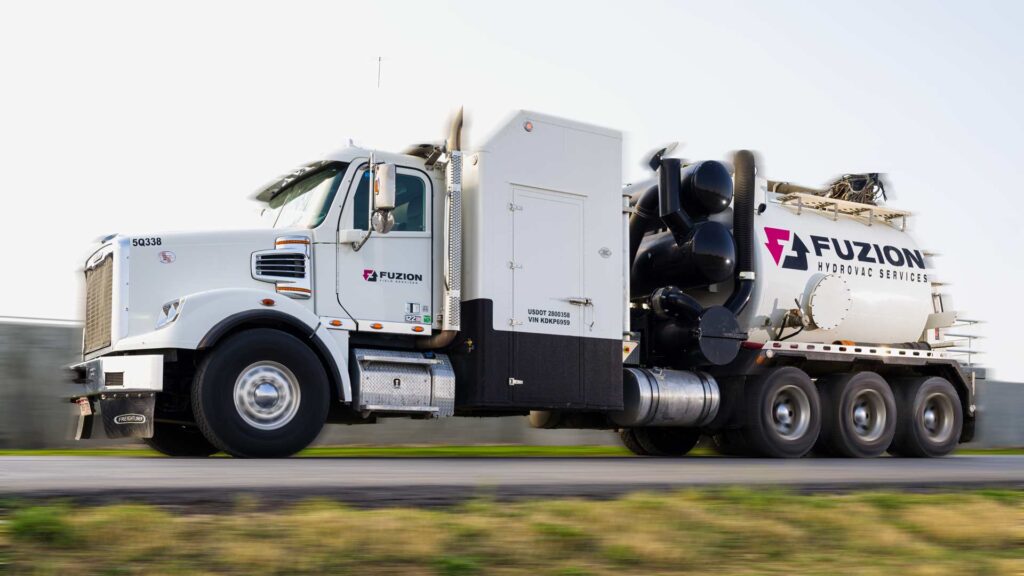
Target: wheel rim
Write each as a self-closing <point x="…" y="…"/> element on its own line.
<point x="868" y="415"/>
<point x="267" y="395"/>
<point x="937" y="417"/>
<point x="791" y="412"/>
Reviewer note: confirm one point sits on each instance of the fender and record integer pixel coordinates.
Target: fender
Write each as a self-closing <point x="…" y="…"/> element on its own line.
<point x="206" y="317"/>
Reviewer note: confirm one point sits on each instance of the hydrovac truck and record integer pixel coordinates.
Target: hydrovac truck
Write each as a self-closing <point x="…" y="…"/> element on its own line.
<point x="523" y="278"/>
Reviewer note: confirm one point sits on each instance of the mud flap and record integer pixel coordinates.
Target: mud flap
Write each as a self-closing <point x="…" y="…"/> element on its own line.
<point x="127" y="415"/>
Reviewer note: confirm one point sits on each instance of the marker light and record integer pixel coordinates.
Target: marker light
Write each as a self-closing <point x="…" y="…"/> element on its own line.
<point x="267" y="301"/>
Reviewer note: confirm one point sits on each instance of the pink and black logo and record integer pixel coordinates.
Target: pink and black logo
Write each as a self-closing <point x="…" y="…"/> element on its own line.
<point x="370" y="275"/>
<point x="778" y="240"/>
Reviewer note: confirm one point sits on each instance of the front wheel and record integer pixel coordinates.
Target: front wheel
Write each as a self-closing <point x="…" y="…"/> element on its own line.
<point x="261" y="394"/>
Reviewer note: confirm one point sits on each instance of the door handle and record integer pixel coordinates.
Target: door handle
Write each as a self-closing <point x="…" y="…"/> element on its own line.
<point x="580" y="301"/>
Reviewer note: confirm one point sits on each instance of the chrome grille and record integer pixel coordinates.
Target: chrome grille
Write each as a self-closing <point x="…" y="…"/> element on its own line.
<point x="282" y="265"/>
<point x="99" y="292"/>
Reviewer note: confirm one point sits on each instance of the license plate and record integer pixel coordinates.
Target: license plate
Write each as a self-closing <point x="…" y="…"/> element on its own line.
<point x="84" y="408"/>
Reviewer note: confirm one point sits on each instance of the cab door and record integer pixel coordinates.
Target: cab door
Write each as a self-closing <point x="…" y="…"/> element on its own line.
<point x="386" y="285"/>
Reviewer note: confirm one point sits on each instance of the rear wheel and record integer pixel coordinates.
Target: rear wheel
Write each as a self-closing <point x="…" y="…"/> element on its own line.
<point x="660" y="441"/>
<point x="629" y="440"/>
<point x="930" y="418"/>
<point x="262" y="393"/>
<point x="858" y="415"/>
<point x="783" y="414"/>
<point x="179" y="440"/>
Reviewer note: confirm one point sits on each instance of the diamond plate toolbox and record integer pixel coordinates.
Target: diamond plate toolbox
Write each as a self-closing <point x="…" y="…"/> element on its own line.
<point x="400" y="381"/>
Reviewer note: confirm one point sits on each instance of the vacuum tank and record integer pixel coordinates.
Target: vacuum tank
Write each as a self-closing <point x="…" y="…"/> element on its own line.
<point x="824" y="269"/>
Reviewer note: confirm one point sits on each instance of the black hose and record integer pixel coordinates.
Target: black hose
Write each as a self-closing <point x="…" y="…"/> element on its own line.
<point x="743" y="232"/>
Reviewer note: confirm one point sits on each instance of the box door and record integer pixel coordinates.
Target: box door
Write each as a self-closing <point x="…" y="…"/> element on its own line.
<point x="547" y="285"/>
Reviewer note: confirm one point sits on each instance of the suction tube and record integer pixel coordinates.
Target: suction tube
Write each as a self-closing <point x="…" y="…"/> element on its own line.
<point x="743" y="232"/>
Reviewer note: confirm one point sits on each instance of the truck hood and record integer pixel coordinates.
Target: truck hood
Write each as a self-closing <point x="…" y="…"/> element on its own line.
<point x="152" y="270"/>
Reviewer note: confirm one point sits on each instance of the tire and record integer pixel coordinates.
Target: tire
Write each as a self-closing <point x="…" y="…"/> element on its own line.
<point x="668" y="441"/>
<point x="730" y="443"/>
<point x="261" y="394"/>
<point x="929" y="418"/>
<point x="179" y="440"/>
<point x="858" y="415"/>
<point x="629" y="440"/>
<point x="783" y="414"/>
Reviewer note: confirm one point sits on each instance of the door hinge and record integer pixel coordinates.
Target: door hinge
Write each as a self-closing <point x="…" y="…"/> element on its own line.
<point x="514" y="322"/>
<point x="515" y="382"/>
<point x="513" y="266"/>
<point x="513" y="207"/>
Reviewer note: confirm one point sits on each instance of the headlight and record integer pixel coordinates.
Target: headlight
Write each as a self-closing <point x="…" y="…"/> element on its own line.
<point x="169" y="313"/>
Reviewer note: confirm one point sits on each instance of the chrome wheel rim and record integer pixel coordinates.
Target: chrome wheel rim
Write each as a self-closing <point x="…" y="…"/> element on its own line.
<point x="937" y="417"/>
<point x="868" y="415"/>
<point x="791" y="412"/>
<point x="267" y="395"/>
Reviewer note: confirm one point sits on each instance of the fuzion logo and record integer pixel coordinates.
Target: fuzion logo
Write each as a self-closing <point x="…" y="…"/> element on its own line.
<point x="790" y="251"/>
<point x="371" y="275"/>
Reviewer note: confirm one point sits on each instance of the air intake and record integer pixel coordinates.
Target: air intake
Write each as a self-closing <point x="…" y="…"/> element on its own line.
<point x="286" y="266"/>
<point x="281" y="265"/>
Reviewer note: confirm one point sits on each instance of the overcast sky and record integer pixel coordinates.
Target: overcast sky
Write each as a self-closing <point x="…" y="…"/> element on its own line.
<point x="143" y="117"/>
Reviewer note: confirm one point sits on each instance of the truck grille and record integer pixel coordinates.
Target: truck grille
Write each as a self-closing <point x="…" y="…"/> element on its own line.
<point x="281" y="265"/>
<point x="99" y="290"/>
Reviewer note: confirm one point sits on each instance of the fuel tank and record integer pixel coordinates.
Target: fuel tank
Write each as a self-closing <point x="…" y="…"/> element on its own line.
<point x="858" y="276"/>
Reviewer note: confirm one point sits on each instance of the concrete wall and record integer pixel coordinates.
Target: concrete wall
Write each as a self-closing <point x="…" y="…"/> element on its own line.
<point x="34" y="412"/>
<point x="33" y="357"/>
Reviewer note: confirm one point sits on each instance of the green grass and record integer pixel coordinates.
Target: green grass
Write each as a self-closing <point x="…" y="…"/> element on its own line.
<point x="482" y="451"/>
<point x="724" y="531"/>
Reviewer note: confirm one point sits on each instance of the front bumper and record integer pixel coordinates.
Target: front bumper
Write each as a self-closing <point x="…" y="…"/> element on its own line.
<point x="122" y="389"/>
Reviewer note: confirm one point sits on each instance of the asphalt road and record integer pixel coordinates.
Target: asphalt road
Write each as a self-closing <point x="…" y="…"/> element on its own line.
<point x="431" y="481"/>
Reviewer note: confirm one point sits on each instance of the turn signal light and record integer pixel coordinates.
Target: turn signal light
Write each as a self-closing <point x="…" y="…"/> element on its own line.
<point x="376" y="325"/>
<point x="417" y="328"/>
<point x="335" y="322"/>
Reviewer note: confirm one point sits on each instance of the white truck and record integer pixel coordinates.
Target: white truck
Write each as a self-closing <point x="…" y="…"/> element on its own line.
<point x="523" y="278"/>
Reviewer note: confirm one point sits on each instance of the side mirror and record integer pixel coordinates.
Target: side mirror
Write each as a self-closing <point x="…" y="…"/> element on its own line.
<point x="384" y="186"/>
<point x="384" y="176"/>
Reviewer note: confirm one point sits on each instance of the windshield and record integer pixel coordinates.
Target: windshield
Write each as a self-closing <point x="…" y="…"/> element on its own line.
<point x="305" y="203"/>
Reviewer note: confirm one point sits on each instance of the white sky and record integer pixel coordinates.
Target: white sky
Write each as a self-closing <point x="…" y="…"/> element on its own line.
<point x="136" y="117"/>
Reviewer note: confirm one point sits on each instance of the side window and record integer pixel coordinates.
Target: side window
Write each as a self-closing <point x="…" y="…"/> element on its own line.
<point x="410" y="204"/>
